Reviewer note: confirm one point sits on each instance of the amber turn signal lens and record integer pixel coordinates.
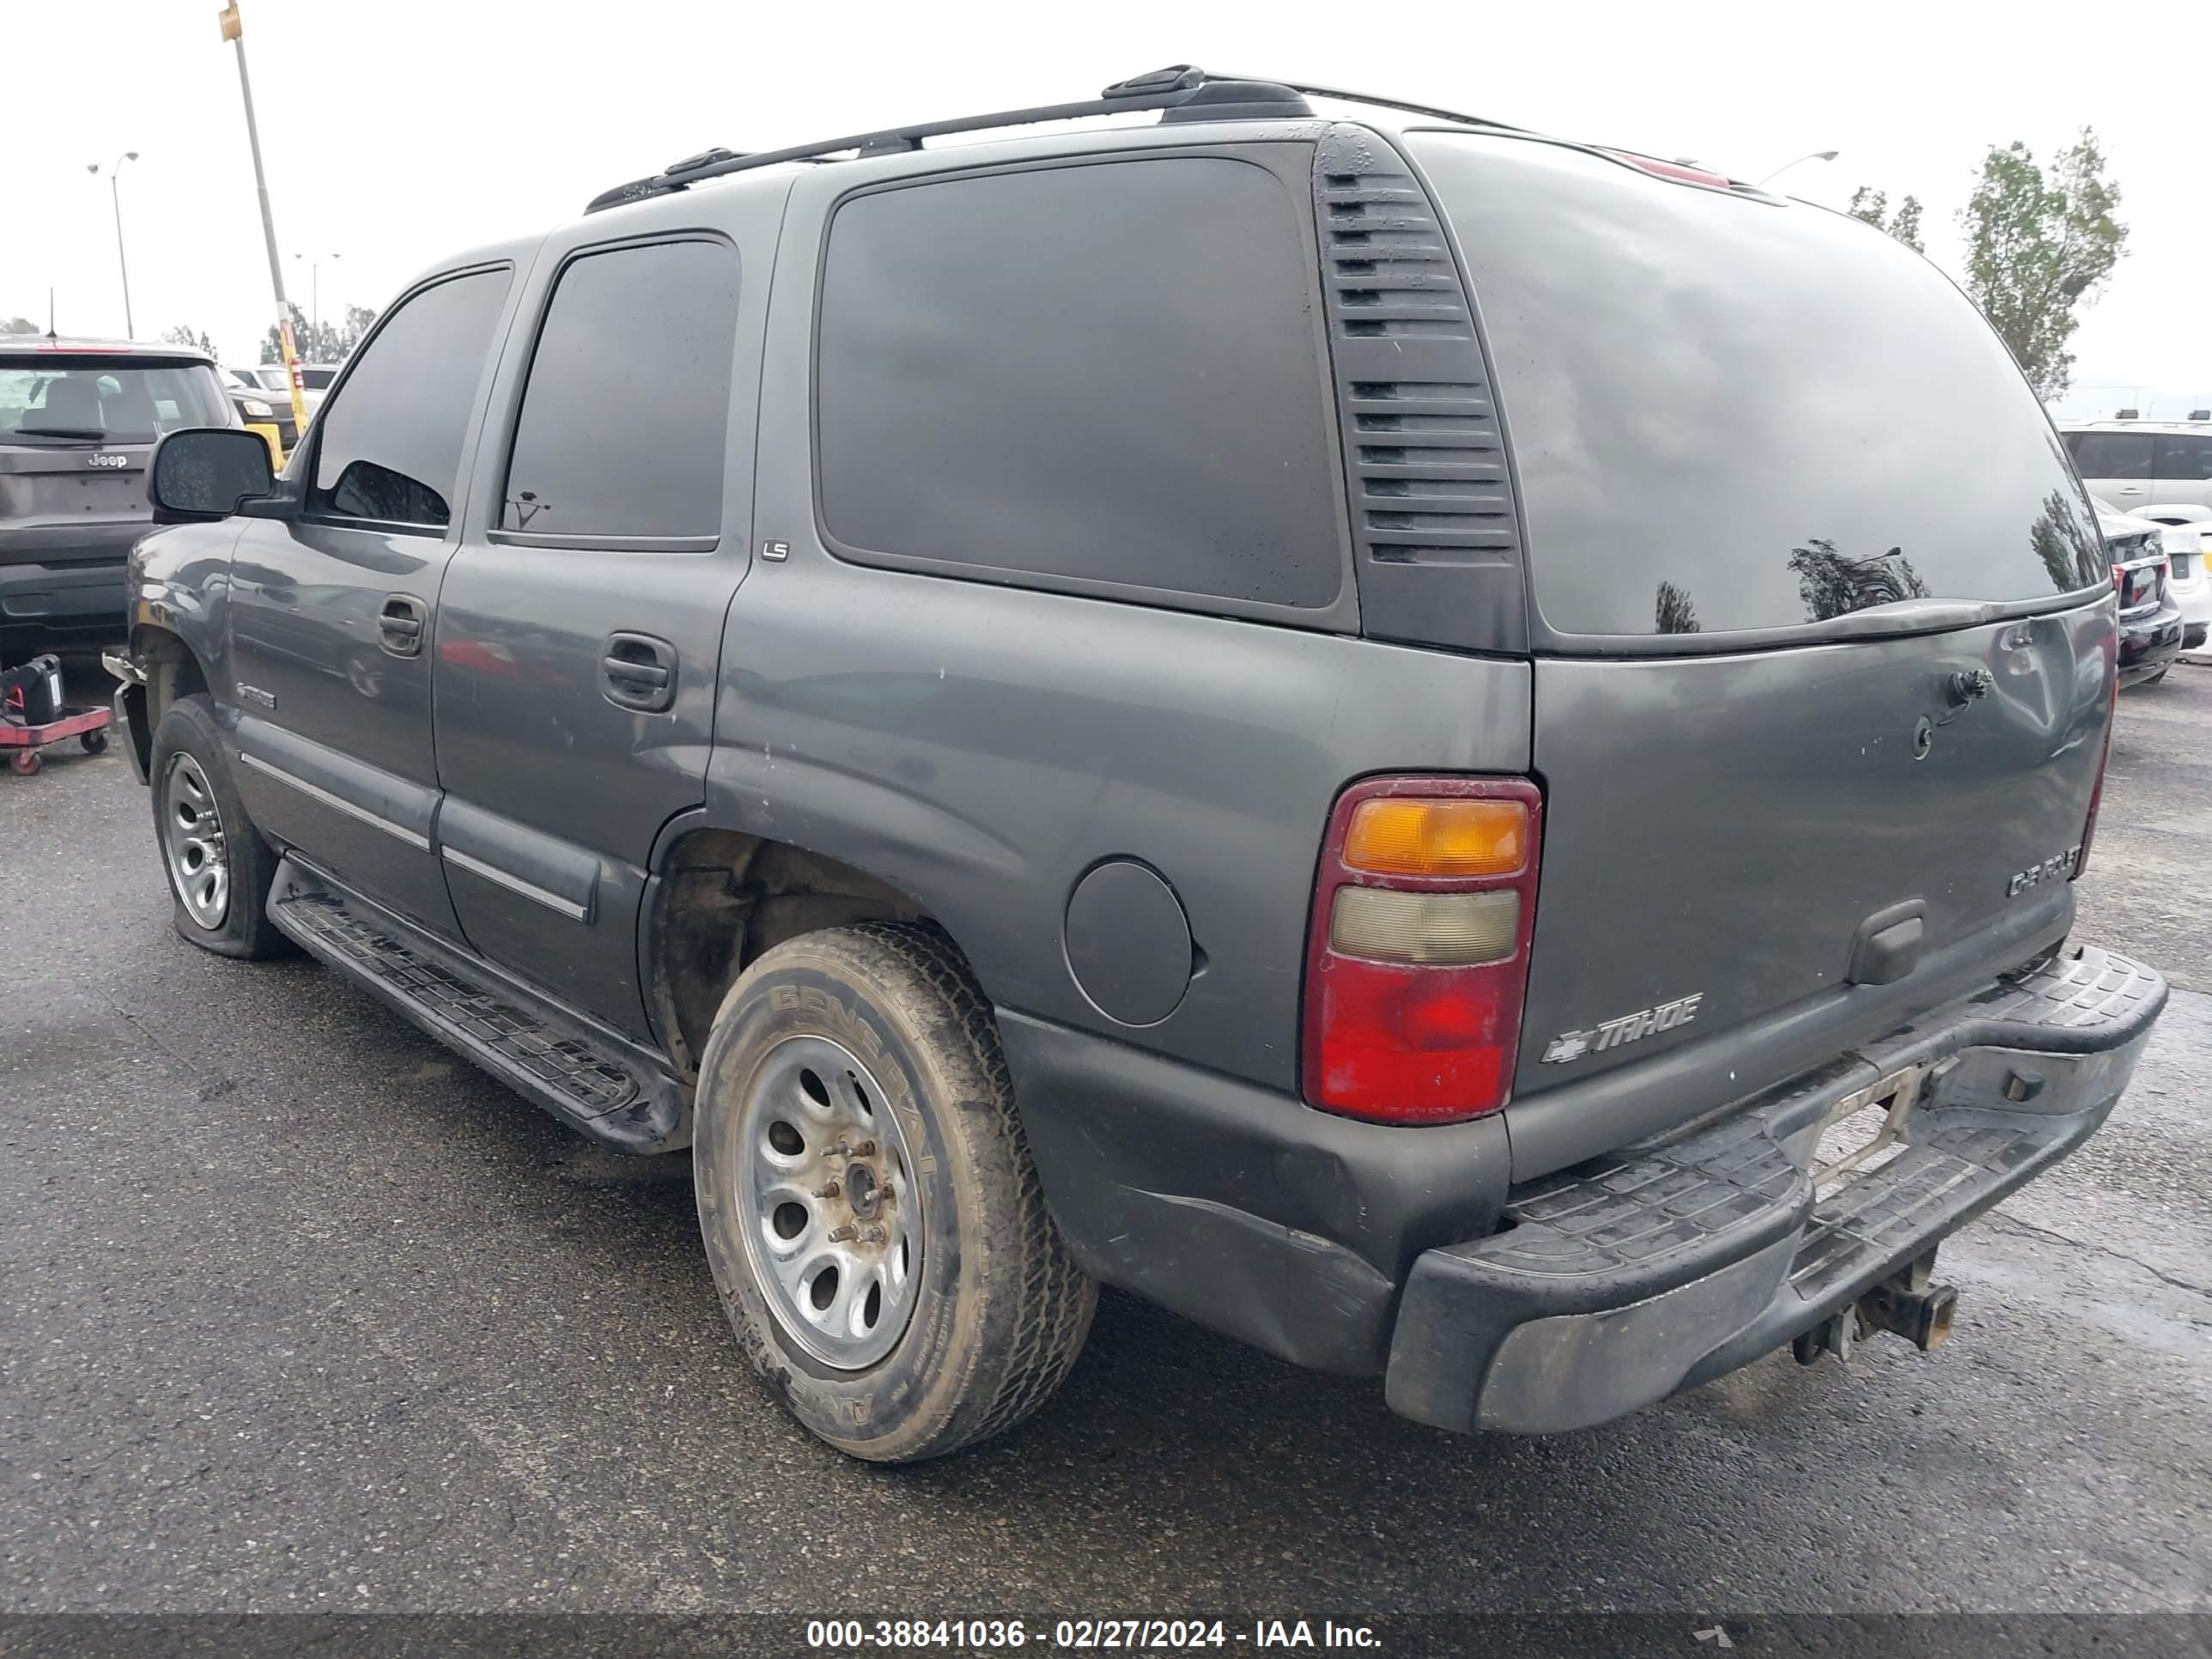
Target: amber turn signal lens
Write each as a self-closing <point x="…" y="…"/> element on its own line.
<point x="1398" y="835"/>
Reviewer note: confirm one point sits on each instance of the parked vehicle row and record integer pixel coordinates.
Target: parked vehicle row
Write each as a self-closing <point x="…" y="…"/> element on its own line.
<point x="1008" y="698"/>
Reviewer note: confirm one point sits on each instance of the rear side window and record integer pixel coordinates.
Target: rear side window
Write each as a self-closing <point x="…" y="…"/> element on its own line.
<point x="624" y="420"/>
<point x="2110" y="454"/>
<point x="1098" y="374"/>
<point x="390" y="447"/>
<point x="1729" y="415"/>
<point x="2184" y="458"/>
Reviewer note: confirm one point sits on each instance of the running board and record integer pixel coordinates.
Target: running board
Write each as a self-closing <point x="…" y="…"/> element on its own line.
<point x="611" y="1090"/>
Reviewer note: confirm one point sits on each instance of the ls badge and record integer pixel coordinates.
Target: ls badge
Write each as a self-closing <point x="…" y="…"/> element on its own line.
<point x="1628" y="1028"/>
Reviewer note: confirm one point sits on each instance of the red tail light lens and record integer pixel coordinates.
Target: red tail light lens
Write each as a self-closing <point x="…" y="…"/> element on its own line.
<point x="1415" y="980"/>
<point x="2104" y="754"/>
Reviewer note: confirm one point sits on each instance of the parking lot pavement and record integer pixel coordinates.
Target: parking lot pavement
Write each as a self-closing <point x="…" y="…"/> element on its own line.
<point x="298" y="1312"/>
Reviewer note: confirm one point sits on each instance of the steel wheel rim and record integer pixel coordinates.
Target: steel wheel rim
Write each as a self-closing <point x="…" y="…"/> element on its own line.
<point x="832" y="1218"/>
<point x="193" y="844"/>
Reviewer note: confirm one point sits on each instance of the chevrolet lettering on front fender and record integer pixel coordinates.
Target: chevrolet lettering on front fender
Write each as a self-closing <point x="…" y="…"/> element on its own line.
<point x="1023" y="805"/>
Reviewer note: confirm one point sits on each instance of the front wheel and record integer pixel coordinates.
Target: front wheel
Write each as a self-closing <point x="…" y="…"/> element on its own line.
<point x="219" y="868"/>
<point x="873" y="1220"/>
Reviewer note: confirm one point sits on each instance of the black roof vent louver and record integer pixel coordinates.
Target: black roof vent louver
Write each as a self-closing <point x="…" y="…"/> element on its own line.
<point x="1434" y="520"/>
<point x="2127" y="414"/>
<point x="2200" y="413"/>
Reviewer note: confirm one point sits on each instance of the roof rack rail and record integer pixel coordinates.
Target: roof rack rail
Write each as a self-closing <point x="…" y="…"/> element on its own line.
<point x="1182" y="92"/>
<point x="1399" y="104"/>
<point x="1185" y="93"/>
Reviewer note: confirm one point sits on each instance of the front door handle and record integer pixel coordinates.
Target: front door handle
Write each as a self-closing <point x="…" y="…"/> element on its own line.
<point x="400" y="624"/>
<point x="640" y="672"/>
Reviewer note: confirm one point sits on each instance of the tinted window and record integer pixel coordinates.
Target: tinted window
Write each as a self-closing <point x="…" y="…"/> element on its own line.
<point x="1729" y="415"/>
<point x="316" y="379"/>
<point x="390" y="447"/>
<point x="623" y="422"/>
<point x="2185" y="458"/>
<point x="1104" y="372"/>
<point x="2110" y="454"/>
<point x="60" y="398"/>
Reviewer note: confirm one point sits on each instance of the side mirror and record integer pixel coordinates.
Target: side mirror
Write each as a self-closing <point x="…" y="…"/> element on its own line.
<point x="202" y="472"/>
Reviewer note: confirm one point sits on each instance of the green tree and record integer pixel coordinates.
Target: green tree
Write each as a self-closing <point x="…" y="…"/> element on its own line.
<point x="1873" y="206"/>
<point x="2040" y="243"/>
<point x="326" y="341"/>
<point x="359" y="319"/>
<point x="199" y="340"/>
<point x="1673" y="612"/>
<point x="18" y="325"/>
<point x="1831" y="584"/>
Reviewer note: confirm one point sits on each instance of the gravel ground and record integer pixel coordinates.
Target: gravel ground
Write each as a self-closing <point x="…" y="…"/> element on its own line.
<point x="298" y="1312"/>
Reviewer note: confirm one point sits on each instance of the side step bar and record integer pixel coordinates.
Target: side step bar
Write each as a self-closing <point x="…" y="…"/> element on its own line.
<point x="614" y="1090"/>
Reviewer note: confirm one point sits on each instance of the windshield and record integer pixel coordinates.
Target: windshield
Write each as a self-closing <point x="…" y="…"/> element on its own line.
<point x="1729" y="415"/>
<point x="59" y="397"/>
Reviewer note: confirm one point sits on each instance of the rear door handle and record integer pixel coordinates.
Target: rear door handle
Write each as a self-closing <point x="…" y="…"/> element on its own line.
<point x="400" y="624"/>
<point x="640" y="672"/>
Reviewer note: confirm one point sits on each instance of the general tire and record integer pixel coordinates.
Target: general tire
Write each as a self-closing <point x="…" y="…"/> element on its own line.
<point x="999" y="1310"/>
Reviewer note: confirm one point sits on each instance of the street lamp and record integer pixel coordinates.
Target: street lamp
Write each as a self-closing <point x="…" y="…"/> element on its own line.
<point x="1817" y="156"/>
<point x="314" y="295"/>
<point x="129" y="328"/>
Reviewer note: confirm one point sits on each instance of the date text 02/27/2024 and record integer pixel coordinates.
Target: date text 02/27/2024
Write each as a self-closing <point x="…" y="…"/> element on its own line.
<point x="1127" y="1635"/>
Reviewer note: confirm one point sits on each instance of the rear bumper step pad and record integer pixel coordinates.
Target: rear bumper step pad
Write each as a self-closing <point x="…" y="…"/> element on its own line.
<point x="591" y="1079"/>
<point x="1626" y="1279"/>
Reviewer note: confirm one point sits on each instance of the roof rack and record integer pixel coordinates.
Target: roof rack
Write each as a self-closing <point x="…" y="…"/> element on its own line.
<point x="1182" y="92"/>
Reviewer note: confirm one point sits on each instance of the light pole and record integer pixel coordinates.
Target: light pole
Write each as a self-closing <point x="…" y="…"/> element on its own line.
<point x="314" y="295"/>
<point x="1817" y="156"/>
<point x="234" y="32"/>
<point x="114" y="173"/>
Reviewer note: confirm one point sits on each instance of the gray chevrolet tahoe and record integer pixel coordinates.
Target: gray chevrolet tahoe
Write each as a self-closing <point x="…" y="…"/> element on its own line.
<point x="1167" y="705"/>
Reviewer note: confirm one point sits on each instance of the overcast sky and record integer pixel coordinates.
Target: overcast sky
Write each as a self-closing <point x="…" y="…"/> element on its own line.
<point x="397" y="131"/>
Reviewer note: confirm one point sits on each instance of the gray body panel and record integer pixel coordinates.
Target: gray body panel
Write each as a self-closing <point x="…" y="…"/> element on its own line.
<point x="1722" y="827"/>
<point x="564" y="792"/>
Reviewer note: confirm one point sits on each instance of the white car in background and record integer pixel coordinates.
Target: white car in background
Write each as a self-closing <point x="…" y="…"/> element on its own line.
<point x="2188" y="548"/>
<point x="269" y="377"/>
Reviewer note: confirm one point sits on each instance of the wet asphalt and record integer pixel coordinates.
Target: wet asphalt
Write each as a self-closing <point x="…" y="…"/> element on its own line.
<point x="298" y="1312"/>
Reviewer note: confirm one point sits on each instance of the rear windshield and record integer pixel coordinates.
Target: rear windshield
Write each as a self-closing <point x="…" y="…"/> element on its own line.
<point x="1729" y="415"/>
<point x="56" y="398"/>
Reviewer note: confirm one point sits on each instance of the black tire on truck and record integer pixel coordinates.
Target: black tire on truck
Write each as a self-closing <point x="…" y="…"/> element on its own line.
<point x="218" y="867"/>
<point x="874" y="1222"/>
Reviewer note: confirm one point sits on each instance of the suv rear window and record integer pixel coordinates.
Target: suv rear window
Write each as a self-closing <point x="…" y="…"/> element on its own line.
<point x="62" y="398"/>
<point x="1726" y="415"/>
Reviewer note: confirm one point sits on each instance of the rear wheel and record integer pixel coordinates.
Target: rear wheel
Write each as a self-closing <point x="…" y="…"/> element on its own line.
<point x="874" y="1222"/>
<point x="218" y="867"/>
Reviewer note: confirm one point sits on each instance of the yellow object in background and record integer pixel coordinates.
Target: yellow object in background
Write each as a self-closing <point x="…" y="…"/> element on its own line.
<point x="273" y="439"/>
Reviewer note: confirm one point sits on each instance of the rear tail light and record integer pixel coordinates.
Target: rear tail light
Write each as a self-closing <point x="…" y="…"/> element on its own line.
<point x="1418" y="962"/>
<point x="2105" y="753"/>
